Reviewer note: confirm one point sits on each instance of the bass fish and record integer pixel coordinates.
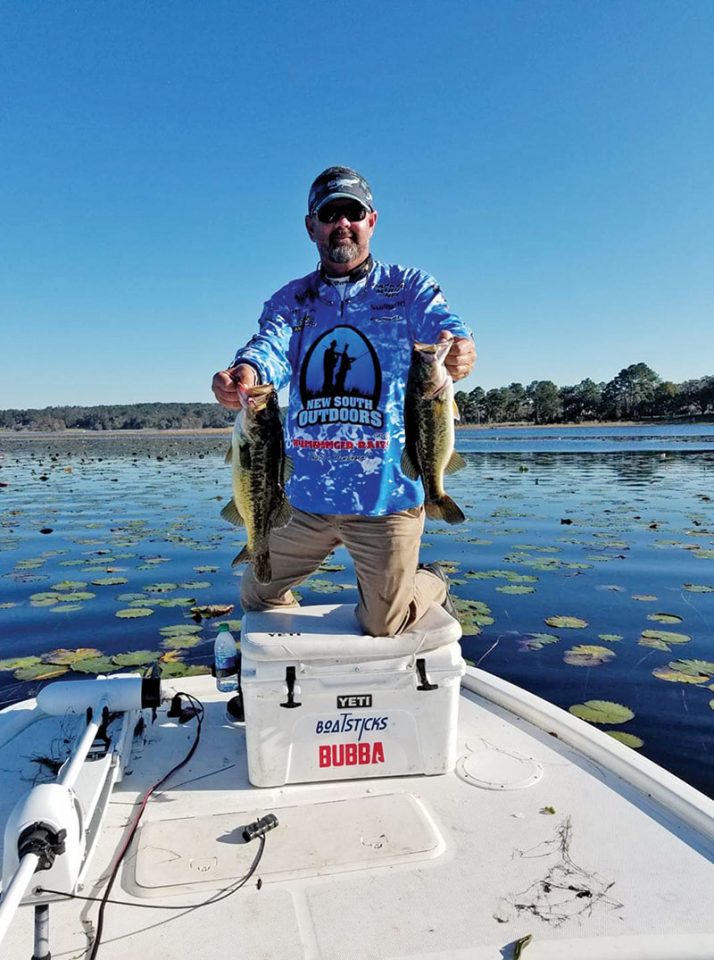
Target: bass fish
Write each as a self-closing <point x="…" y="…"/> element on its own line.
<point x="260" y="471"/>
<point x="429" y="414"/>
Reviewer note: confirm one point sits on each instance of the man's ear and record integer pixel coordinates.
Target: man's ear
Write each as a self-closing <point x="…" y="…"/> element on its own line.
<point x="310" y="227"/>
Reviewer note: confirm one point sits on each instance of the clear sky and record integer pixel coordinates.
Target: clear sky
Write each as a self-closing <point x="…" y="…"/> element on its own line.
<point x="551" y="163"/>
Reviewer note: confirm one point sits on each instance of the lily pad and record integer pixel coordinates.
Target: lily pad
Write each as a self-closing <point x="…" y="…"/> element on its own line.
<point x="699" y="588"/>
<point x="40" y="671"/>
<point x="609" y="637"/>
<point x="175" y="668"/>
<point x="180" y="629"/>
<point x="133" y="613"/>
<point x="685" y="671"/>
<point x="78" y="597"/>
<point x="664" y="617"/>
<point x="212" y="610"/>
<point x="68" y="658"/>
<point x="602" y="711"/>
<point x="66" y="608"/>
<point x="666" y="636"/>
<point x="195" y="585"/>
<point x="179" y="641"/>
<point x="109" y="581"/>
<point x="536" y="641"/>
<point x="588" y="655"/>
<point x="629" y="739"/>
<point x="571" y="623"/>
<point x="644" y="597"/>
<point x="138" y="658"/>
<point x="654" y="643"/>
<point x="515" y="589"/>
<point x="161" y="587"/>
<point x="95" y="665"/>
<point x="69" y="585"/>
<point x="19" y="663"/>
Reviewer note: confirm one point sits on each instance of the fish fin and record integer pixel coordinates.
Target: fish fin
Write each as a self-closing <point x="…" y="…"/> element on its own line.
<point x="444" y="508"/>
<point x="229" y="455"/>
<point x="244" y="456"/>
<point x="288" y="467"/>
<point x="261" y="567"/>
<point x="457" y="415"/>
<point x="283" y="514"/>
<point x="408" y="468"/>
<point x="456" y="462"/>
<point x="231" y="513"/>
<point x="242" y="557"/>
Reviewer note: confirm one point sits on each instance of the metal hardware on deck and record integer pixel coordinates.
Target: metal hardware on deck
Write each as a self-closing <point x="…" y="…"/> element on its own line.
<point x="42" y="932"/>
<point x="290" y="683"/>
<point x="421" y="670"/>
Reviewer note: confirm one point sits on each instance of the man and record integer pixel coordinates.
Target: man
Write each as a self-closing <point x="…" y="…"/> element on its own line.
<point x="347" y="484"/>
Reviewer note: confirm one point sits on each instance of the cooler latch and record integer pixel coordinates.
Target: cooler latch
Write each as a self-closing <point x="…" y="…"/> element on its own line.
<point x="290" y="684"/>
<point x="421" y="670"/>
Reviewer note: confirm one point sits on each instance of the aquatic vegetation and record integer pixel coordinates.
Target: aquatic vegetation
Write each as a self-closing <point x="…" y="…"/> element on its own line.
<point x="629" y="739"/>
<point x="570" y="623"/>
<point x="133" y="613"/>
<point x="666" y="636"/>
<point x="588" y="655"/>
<point x="536" y="641"/>
<point x="602" y="711"/>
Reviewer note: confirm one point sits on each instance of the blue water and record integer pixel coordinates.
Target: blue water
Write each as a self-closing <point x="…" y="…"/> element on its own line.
<point x="640" y="438"/>
<point x="611" y="526"/>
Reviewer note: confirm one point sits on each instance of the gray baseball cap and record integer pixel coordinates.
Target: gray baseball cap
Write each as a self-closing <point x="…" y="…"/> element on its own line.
<point x="338" y="183"/>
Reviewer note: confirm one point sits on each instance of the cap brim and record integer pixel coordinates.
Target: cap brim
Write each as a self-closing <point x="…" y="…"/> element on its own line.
<point x="341" y="196"/>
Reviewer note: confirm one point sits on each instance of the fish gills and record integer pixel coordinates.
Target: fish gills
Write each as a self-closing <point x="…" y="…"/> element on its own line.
<point x="259" y="472"/>
<point x="429" y="426"/>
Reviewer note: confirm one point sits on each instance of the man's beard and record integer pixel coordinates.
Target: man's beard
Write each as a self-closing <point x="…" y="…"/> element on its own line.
<point x="343" y="252"/>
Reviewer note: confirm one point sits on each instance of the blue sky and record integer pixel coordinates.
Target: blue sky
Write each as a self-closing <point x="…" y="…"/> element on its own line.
<point x="549" y="162"/>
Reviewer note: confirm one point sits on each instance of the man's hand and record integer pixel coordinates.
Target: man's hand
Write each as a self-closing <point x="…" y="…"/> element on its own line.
<point x="226" y="384"/>
<point x="462" y="356"/>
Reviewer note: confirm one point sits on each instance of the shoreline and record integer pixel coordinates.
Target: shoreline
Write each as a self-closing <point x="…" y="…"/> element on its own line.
<point x="205" y="432"/>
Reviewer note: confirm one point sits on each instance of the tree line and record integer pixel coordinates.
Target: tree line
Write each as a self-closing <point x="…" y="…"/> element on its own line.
<point x="134" y="416"/>
<point x="636" y="393"/>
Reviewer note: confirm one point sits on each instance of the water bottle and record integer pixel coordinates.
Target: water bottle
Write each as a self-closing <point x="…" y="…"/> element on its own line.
<point x="225" y="658"/>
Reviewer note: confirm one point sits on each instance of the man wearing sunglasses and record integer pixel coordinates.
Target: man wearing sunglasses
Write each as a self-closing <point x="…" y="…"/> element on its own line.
<point x="341" y="338"/>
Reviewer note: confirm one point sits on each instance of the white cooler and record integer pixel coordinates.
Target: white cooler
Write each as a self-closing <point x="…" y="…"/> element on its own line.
<point x="325" y="702"/>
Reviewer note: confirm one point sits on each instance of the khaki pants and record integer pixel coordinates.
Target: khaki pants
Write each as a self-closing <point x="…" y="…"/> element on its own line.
<point x="385" y="551"/>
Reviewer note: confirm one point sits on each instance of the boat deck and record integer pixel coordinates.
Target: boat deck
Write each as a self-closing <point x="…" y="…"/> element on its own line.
<point x="527" y="836"/>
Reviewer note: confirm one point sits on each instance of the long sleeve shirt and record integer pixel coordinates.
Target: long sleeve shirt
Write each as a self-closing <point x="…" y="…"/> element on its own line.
<point x="345" y="354"/>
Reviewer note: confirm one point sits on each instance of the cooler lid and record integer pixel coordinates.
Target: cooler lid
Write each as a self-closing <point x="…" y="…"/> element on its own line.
<point x="331" y="632"/>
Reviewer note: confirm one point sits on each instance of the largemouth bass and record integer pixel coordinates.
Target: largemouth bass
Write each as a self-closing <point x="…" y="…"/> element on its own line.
<point x="260" y="470"/>
<point x="429" y="413"/>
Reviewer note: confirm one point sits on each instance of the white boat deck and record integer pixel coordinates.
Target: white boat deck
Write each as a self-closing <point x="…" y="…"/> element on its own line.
<point x="408" y="868"/>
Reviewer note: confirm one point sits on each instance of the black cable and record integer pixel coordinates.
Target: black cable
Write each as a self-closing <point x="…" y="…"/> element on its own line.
<point x="222" y="895"/>
<point x="122" y="853"/>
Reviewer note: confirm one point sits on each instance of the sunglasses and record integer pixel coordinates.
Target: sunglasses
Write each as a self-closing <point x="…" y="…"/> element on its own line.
<point x="332" y="212"/>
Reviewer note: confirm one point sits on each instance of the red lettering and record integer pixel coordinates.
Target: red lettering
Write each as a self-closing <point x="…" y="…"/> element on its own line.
<point x="350" y="754"/>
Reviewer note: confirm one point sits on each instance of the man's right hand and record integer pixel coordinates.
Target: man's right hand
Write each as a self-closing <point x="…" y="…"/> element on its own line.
<point x="226" y="383"/>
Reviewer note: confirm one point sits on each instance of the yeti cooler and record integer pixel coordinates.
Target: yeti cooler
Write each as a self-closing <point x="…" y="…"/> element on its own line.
<point x="325" y="702"/>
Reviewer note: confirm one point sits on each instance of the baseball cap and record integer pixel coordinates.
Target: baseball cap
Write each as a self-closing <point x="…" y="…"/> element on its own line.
<point x="335" y="183"/>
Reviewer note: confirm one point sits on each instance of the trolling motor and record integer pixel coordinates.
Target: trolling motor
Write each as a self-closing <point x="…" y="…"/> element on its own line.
<point x="46" y="829"/>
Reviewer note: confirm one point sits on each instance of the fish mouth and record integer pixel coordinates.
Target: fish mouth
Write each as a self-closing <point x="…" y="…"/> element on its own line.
<point x="256" y="398"/>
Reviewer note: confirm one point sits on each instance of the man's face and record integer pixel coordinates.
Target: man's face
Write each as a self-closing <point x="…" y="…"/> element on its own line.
<point x="342" y="239"/>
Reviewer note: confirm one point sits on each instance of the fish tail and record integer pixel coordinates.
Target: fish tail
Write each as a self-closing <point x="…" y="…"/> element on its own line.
<point x="444" y="508"/>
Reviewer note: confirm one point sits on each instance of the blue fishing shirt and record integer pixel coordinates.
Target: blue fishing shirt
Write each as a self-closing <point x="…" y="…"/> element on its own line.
<point x="346" y="359"/>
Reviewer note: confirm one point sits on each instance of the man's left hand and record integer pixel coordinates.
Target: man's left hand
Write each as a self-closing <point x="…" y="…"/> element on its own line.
<point x="462" y="356"/>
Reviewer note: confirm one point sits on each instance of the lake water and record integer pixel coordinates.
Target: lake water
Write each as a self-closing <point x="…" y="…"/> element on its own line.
<point x="611" y="526"/>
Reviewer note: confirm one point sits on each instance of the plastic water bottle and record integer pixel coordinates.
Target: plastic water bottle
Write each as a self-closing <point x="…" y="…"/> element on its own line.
<point x="225" y="658"/>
